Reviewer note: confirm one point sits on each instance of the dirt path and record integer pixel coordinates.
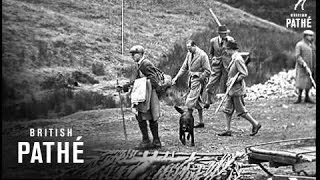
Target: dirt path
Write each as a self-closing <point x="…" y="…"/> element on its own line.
<point x="102" y="129"/>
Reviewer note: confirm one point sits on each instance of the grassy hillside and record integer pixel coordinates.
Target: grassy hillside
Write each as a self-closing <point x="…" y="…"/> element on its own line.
<point x="44" y="38"/>
<point x="274" y="10"/>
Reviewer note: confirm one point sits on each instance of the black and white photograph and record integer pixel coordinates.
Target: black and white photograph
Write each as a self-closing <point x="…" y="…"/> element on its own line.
<point x="159" y="89"/>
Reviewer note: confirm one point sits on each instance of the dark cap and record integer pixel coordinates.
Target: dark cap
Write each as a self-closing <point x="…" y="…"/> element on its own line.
<point x="223" y="29"/>
<point x="232" y="45"/>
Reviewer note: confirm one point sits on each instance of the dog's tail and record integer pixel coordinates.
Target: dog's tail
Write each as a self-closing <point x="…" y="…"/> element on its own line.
<point x="181" y="111"/>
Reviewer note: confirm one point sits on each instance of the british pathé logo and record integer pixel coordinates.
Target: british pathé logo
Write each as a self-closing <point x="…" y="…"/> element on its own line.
<point x="32" y="151"/>
<point x="301" y="3"/>
<point x="299" y="19"/>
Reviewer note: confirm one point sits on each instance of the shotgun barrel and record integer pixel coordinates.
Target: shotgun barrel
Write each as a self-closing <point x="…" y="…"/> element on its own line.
<point x="215" y="17"/>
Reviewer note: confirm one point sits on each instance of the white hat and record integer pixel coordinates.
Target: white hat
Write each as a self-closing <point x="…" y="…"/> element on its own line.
<point x="308" y="32"/>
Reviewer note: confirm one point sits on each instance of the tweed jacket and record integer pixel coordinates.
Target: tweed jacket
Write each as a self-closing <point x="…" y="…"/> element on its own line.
<point x="217" y="47"/>
<point x="147" y="69"/>
<point x="151" y="107"/>
<point x="236" y="65"/>
<point x="197" y="67"/>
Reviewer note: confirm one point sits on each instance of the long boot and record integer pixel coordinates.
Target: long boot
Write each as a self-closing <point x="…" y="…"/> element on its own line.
<point x="299" y="97"/>
<point x="307" y="98"/>
<point x="228" y="123"/>
<point x="154" y="127"/>
<point x="208" y="100"/>
<point x="145" y="144"/>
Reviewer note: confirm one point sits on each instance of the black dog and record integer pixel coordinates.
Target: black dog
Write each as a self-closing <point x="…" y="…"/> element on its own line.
<point x="186" y="125"/>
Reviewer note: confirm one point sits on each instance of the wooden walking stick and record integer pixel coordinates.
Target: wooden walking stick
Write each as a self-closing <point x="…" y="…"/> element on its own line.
<point x="310" y="75"/>
<point x="227" y="92"/>
<point x="123" y="120"/>
<point x="247" y="60"/>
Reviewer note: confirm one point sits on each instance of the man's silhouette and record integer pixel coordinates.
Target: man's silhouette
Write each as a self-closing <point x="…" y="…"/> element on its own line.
<point x="300" y="2"/>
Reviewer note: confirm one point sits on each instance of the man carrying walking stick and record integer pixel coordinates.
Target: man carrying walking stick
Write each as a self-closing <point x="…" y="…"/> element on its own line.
<point x="305" y="65"/>
<point x="237" y="69"/>
<point x="144" y="97"/>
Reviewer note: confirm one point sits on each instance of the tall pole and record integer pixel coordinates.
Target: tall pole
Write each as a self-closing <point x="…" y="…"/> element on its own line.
<point x="122" y="27"/>
<point x="123" y="120"/>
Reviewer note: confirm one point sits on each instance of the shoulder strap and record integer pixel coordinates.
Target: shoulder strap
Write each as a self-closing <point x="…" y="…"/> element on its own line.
<point x="160" y="74"/>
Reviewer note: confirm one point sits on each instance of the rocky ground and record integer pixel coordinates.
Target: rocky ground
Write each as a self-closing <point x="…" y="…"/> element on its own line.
<point x="103" y="129"/>
<point x="279" y="85"/>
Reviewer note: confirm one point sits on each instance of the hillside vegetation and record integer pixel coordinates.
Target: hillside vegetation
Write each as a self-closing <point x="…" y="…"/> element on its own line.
<point x="275" y="10"/>
<point x="44" y="38"/>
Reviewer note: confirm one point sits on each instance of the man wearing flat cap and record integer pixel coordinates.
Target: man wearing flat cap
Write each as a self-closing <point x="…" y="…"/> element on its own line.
<point x="219" y="62"/>
<point x="235" y="101"/>
<point x="305" y="53"/>
<point x="148" y="107"/>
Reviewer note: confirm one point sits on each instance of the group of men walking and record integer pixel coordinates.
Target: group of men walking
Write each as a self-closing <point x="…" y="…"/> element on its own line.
<point x="207" y="76"/>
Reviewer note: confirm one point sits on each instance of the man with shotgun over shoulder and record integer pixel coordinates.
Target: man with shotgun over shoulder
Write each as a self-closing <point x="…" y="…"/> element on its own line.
<point x="305" y="65"/>
<point x="148" y="107"/>
<point x="198" y="67"/>
<point x="237" y="71"/>
<point x="219" y="62"/>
